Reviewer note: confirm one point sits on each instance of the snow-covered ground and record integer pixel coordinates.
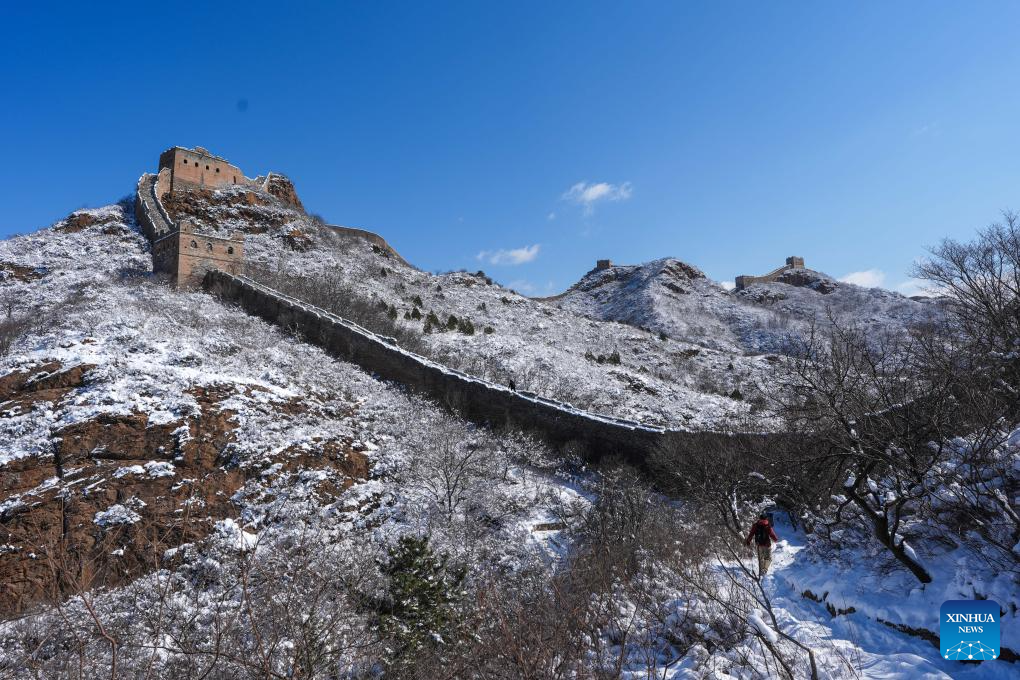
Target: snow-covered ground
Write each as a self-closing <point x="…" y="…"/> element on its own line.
<point x="542" y="347"/>
<point x="294" y="500"/>
<point x="857" y="644"/>
<point x="672" y="297"/>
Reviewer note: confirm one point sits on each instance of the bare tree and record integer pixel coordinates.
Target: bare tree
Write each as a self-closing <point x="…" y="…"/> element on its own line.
<point x="981" y="280"/>
<point x="876" y="419"/>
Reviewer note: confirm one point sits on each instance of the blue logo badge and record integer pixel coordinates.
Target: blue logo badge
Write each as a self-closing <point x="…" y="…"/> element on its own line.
<point x="969" y="630"/>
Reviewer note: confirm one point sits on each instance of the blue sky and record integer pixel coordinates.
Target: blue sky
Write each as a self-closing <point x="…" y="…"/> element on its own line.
<point x="529" y="139"/>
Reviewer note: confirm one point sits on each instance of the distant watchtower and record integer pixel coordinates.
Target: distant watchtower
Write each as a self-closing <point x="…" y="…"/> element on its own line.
<point x="792" y="262"/>
<point x="603" y="264"/>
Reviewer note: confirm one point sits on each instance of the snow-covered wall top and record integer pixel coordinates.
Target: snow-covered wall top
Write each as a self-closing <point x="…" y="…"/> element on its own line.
<point x="478" y="400"/>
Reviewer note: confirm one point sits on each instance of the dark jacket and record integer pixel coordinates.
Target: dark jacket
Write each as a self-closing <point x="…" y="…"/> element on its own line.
<point x="765" y="536"/>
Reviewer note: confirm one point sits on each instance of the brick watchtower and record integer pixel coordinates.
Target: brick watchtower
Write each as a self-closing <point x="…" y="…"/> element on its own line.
<point x="180" y="167"/>
<point x="187" y="255"/>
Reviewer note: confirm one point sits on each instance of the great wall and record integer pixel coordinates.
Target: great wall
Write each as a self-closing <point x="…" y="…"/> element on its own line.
<point x="202" y="261"/>
<point x="792" y="262"/>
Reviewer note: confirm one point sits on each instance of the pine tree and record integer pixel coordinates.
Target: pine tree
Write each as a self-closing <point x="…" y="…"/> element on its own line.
<point x="420" y="607"/>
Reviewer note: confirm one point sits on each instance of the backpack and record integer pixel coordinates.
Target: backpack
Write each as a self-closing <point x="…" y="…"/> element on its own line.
<point x="761" y="533"/>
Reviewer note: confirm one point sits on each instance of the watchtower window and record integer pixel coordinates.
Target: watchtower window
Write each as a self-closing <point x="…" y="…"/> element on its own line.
<point x="185" y="161"/>
<point x="230" y="250"/>
<point x="217" y="169"/>
<point x="207" y="167"/>
<point x="194" y="244"/>
<point x="208" y="246"/>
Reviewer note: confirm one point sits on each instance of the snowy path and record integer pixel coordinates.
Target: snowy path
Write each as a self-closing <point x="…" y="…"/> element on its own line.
<point x="855" y="645"/>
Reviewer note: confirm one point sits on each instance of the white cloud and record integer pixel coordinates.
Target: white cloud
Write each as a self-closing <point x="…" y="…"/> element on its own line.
<point x="728" y="285"/>
<point x="514" y="256"/>
<point x="876" y="278"/>
<point x="551" y="216"/>
<point x="587" y="194"/>
<point x="912" y="287"/>
<point x="869" y="278"/>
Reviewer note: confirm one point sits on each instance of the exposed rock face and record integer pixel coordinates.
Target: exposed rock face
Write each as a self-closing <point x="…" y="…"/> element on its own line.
<point x="13" y="271"/>
<point x="118" y="491"/>
<point x="283" y="189"/>
<point x="48" y="383"/>
<point x="298" y="240"/>
<point x="52" y="507"/>
<point x="109" y="495"/>
<point x="245" y="210"/>
<point x="83" y="219"/>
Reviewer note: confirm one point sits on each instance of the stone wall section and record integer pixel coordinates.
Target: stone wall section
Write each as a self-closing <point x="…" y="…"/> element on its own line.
<point x="792" y="262"/>
<point x="149" y="212"/>
<point x="477" y="400"/>
<point x="375" y="239"/>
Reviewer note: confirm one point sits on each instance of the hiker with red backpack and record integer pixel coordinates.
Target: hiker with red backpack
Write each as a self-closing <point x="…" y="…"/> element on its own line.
<point x="763" y="535"/>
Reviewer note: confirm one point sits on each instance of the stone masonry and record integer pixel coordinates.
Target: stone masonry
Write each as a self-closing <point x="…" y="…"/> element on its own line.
<point x="792" y="262"/>
<point x="195" y="167"/>
<point x="478" y="400"/>
<point x="178" y="249"/>
<point x="187" y="255"/>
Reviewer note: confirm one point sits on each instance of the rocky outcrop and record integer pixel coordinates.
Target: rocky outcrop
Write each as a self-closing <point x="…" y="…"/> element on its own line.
<point x="282" y="188"/>
<point x="19" y="272"/>
<point x="83" y="219"/>
<point x="114" y="492"/>
<point x="21" y="390"/>
<point x="808" y="278"/>
<point x="168" y="476"/>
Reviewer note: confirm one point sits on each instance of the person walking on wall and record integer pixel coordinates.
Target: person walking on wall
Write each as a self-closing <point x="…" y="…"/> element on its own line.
<point x="763" y="536"/>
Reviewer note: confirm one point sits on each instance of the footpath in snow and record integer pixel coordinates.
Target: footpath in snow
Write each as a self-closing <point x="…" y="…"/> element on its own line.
<point x="858" y="644"/>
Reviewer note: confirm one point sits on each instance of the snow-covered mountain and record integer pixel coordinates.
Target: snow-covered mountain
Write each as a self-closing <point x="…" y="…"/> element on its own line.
<point x="136" y="420"/>
<point x="187" y="491"/>
<point x="674" y="298"/>
<point x="603" y="366"/>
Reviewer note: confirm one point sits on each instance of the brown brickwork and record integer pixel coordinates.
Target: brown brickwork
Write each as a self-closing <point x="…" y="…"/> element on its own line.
<point x="197" y="167"/>
<point x="187" y="255"/>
